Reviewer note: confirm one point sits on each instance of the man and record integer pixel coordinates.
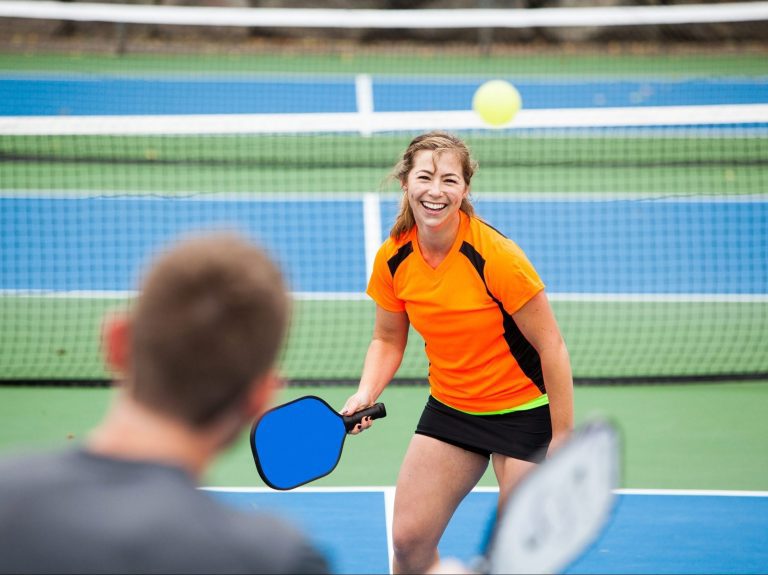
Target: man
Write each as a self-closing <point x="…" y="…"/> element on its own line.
<point x="195" y="359"/>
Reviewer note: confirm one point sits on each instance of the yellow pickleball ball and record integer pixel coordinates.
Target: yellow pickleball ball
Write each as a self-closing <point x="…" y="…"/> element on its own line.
<point x="497" y="102"/>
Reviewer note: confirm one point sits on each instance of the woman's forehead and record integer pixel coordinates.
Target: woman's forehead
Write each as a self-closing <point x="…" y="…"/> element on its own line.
<point x="442" y="160"/>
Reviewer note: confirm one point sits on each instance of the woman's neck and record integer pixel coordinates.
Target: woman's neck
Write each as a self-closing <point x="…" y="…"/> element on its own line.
<point x="435" y="244"/>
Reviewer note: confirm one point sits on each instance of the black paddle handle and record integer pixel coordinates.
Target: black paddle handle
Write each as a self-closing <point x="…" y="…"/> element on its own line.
<point x="376" y="411"/>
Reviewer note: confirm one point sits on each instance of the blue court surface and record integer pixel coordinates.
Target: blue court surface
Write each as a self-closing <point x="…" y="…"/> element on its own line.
<point x="649" y="531"/>
<point x="107" y="94"/>
<point x="624" y="246"/>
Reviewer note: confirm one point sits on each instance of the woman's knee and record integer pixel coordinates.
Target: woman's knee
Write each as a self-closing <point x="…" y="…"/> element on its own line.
<point x="410" y="540"/>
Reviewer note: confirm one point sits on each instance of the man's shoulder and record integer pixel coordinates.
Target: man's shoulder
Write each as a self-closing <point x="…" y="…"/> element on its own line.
<point x="244" y="540"/>
<point x="72" y="499"/>
<point x="29" y="468"/>
<point x="269" y="540"/>
<point x="77" y="467"/>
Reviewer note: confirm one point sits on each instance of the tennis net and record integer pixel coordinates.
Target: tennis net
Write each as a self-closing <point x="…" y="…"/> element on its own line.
<point x="635" y="177"/>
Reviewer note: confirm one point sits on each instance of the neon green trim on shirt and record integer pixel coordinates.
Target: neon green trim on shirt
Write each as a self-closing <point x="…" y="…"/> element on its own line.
<point x="534" y="403"/>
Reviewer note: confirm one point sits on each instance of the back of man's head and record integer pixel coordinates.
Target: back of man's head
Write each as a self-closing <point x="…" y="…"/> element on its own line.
<point x="210" y="320"/>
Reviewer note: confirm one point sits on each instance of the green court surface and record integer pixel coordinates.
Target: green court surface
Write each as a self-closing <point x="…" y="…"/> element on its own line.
<point x="405" y="59"/>
<point x="628" y="343"/>
<point x="702" y="436"/>
<point x="578" y="164"/>
<point x="708" y="436"/>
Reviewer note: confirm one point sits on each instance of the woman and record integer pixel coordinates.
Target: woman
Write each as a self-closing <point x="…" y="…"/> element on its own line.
<point x="499" y="372"/>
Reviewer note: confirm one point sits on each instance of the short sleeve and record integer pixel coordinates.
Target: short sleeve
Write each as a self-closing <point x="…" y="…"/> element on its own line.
<point x="381" y="285"/>
<point x="511" y="277"/>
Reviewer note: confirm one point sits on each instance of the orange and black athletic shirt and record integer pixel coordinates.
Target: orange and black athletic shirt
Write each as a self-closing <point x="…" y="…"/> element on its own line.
<point x="479" y="361"/>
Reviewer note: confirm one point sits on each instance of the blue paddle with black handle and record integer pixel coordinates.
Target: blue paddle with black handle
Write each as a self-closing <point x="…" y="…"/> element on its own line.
<point x="302" y="440"/>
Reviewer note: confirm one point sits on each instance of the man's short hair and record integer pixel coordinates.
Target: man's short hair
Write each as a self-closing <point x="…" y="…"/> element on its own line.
<point x="210" y="319"/>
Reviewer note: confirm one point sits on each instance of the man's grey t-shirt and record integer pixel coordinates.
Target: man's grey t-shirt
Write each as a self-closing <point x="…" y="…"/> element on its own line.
<point x="78" y="512"/>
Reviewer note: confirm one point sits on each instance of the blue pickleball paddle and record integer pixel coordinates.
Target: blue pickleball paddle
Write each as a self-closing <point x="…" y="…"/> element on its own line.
<point x="302" y="440"/>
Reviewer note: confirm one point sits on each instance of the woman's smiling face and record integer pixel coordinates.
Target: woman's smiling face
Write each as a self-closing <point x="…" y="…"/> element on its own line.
<point x="435" y="188"/>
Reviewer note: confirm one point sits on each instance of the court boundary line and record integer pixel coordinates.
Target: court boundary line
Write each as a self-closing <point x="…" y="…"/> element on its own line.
<point x="388" y="493"/>
<point x="362" y="296"/>
<point x="489" y="489"/>
<point x="626" y="118"/>
<point x="371" y="230"/>
<point x="693" y="492"/>
<point x="435" y="78"/>
<point x="364" y="101"/>
<point x="389" y="515"/>
<point x="303" y="196"/>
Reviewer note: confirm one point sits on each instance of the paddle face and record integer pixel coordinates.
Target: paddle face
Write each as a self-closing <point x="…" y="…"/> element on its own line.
<point x="560" y="507"/>
<point x="301" y="441"/>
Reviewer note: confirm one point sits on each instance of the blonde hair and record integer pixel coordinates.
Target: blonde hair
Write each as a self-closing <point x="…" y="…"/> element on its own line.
<point x="438" y="142"/>
<point x="210" y="320"/>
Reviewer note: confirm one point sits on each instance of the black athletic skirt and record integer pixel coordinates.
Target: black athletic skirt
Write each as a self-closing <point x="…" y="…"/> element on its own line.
<point x="520" y="434"/>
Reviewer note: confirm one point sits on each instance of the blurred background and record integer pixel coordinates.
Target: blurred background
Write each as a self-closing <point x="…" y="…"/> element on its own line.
<point x="703" y="28"/>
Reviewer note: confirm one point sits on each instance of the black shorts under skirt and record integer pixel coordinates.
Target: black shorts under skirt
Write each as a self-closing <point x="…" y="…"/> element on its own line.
<point x="519" y="434"/>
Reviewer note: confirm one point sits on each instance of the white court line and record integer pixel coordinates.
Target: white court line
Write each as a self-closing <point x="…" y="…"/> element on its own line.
<point x="658" y="297"/>
<point x="299" y="196"/>
<point x="693" y="492"/>
<point x="360" y="296"/>
<point x="389" y="514"/>
<point x="74" y="294"/>
<point x="371" y="229"/>
<point x="373" y="237"/>
<point x="389" y="497"/>
<point x="422" y="78"/>
<point x="390" y="489"/>
<point x="351" y="489"/>
<point x="341" y="122"/>
<point x="185" y="196"/>
<point x="364" y="101"/>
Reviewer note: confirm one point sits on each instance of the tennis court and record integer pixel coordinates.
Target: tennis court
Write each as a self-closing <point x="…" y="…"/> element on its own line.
<point x="636" y="181"/>
<point x="296" y="232"/>
<point x="695" y="480"/>
<point x="629" y="250"/>
<point x="45" y="94"/>
<point x="624" y="223"/>
<point x="650" y="532"/>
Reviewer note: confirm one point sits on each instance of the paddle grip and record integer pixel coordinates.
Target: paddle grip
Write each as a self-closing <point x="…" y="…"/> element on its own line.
<point x="376" y="411"/>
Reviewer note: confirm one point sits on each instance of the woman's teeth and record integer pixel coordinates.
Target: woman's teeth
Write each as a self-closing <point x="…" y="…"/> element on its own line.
<point x="431" y="206"/>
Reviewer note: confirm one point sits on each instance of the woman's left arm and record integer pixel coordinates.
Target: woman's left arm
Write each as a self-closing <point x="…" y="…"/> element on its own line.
<point x="538" y="325"/>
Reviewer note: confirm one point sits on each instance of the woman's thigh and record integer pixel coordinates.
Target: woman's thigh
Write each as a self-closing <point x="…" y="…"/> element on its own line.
<point x="434" y="477"/>
<point x="509" y="471"/>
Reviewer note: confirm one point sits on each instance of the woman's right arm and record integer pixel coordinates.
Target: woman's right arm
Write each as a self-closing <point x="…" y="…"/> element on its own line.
<point x="385" y="353"/>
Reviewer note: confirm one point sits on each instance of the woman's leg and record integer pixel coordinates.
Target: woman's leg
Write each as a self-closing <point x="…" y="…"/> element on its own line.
<point x="509" y="471"/>
<point x="434" y="478"/>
